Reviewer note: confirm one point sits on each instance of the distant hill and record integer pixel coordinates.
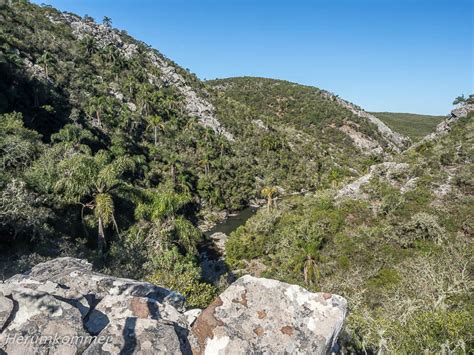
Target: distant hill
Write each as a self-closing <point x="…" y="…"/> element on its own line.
<point x="314" y="111"/>
<point x="412" y="125"/>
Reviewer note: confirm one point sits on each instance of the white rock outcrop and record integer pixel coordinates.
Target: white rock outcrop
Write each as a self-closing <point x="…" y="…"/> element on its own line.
<point x="63" y="307"/>
<point x="263" y="316"/>
<point x="195" y="104"/>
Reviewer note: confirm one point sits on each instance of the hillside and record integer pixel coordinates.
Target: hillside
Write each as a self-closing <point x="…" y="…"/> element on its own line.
<point x="396" y="242"/>
<point x="109" y="147"/>
<point x="409" y="124"/>
<point x="112" y="153"/>
<point x="313" y="110"/>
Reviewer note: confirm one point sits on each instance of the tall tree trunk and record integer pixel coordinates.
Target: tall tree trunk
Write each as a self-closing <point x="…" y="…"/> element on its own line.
<point x="97" y="114"/>
<point x="173" y="174"/>
<point x="156" y="136"/>
<point x="101" y="237"/>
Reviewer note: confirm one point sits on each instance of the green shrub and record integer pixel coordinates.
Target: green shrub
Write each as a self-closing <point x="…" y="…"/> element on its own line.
<point x="421" y="227"/>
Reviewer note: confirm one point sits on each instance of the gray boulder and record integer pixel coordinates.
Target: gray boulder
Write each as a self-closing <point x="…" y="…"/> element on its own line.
<point x="76" y="276"/>
<point x="6" y="308"/>
<point x="63" y="307"/>
<point x="133" y="335"/>
<point x="112" y="308"/>
<point x="60" y="305"/>
<point x="256" y="315"/>
<point x="42" y="324"/>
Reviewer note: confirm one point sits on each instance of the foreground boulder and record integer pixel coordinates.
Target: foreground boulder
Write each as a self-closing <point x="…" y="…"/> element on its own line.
<point x="256" y="315"/>
<point x="63" y="307"/>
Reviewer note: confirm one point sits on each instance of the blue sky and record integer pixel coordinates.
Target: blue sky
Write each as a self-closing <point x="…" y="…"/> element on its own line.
<point x="384" y="55"/>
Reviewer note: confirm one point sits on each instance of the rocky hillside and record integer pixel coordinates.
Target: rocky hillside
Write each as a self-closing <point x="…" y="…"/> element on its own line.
<point x="309" y="109"/>
<point x="112" y="153"/>
<point x="69" y="309"/>
<point x="110" y="144"/>
<point x="412" y="125"/>
<point x="396" y="242"/>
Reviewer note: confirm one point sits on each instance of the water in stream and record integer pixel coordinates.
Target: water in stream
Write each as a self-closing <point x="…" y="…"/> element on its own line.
<point x="233" y="222"/>
<point x="211" y="260"/>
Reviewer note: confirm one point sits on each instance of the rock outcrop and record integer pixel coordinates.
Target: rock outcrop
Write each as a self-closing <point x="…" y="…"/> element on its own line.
<point x="195" y="104"/>
<point x="256" y="316"/>
<point x="445" y="126"/>
<point x="390" y="172"/>
<point x="394" y="140"/>
<point x="63" y="307"/>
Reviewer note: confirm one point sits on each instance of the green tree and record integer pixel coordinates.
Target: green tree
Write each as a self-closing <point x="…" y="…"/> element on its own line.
<point x="155" y="122"/>
<point x="459" y="100"/>
<point x="107" y="21"/>
<point x="47" y="61"/>
<point x="90" y="182"/>
<point x="89" y="45"/>
<point x="269" y="193"/>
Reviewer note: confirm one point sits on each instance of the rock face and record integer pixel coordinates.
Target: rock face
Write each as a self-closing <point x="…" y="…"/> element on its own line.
<point x="195" y="103"/>
<point x="395" y="140"/>
<point x="445" y="126"/>
<point x="63" y="307"/>
<point x="267" y="316"/>
<point x="363" y="142"/>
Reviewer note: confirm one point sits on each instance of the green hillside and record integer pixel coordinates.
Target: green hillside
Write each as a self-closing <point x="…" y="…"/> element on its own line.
<point x="108" y="148"/>
<point x="412" y="125"/>
<point x="398" y="247"/>
<point x="111" y="152"/>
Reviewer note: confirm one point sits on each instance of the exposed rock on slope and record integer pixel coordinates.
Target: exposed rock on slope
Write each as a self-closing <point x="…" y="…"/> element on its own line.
<point x="64" y="299"/>
<point x="390" y="171"/>
<point x="363" y="142"/>
<point x="196" y="106"/>
<point x="396" y="141"/>
<point x="445" y="126"/>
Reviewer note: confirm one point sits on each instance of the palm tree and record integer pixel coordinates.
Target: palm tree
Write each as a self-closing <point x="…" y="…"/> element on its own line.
<point x="187" y="234"/>
<point x="155" y="122"/>
<point x="142" y="98"/>
<point x="205" y="161"/>
<point x="174" y="162"/>
<point x="109" y="54"/>
<point x="95" y="107"/>
<point x="269" y="192"/>
<point x="88" y="43"/>
<point x="310" y="270"/>
<point x="107" y="21"/>
<point x="335" y="175"/>
<point x="459" y="100"/>
<point x="46" y="59"/>
<point x="93" y="178"/>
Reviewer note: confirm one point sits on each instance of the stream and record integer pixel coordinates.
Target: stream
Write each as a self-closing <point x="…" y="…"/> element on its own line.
<point x="210" y="257"/>
<point x="232" y="222"/>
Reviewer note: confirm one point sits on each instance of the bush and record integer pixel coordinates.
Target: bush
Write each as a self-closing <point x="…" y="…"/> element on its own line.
<point x="179" y="273"/>
<point x="422" y="227"/>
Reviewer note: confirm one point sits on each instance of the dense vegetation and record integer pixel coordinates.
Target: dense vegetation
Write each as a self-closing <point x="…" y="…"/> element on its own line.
<point x="101" y="159"/>
<point x="400" y="250"/>
<point x="304" y="108"/>
<point x="412" y="125"/>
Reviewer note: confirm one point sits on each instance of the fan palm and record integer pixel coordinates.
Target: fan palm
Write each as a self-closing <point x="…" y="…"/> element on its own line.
<point x="46" y="60"/>
<point x="269" y="192"/>
<point x="95" y="179"/>
<point x="310" y="270"/>
<point x="155" y="122"/>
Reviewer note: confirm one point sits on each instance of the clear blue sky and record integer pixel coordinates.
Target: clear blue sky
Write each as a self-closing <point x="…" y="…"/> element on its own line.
<point x="384" y="55"/>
